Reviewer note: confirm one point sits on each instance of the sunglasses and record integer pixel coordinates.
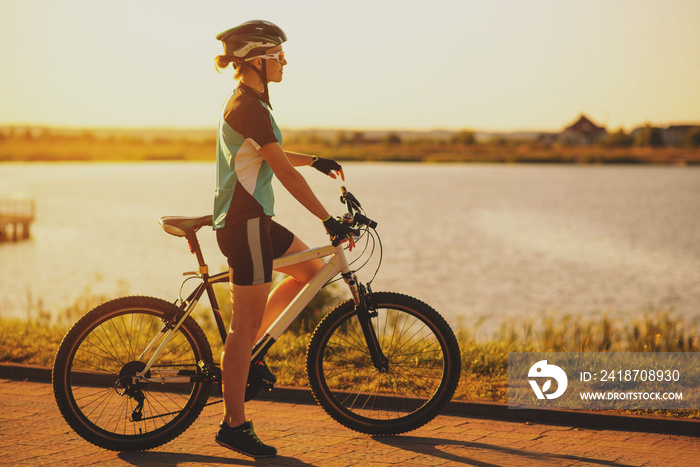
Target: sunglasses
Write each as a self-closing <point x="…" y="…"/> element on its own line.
<point x="279" y="56"/>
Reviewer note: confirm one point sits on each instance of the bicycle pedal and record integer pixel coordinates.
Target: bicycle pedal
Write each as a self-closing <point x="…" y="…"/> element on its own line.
<point x="263" y="372"/>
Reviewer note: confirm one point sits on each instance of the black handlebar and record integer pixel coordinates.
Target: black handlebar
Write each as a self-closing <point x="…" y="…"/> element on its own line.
<point x="353" y="216"/>
<point x="360" y="219"/>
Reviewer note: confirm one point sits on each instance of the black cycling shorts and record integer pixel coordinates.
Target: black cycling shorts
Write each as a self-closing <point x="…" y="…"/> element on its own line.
<point x="250" y="245"/>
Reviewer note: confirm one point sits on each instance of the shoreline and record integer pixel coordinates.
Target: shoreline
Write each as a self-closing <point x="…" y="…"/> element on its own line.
<point x="99" y="150"/>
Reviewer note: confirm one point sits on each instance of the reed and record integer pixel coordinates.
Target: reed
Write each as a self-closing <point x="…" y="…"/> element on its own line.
<point x="658" y="331"/>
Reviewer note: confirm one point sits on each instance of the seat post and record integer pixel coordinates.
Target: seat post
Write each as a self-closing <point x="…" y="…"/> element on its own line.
<point x="197" y="251"/>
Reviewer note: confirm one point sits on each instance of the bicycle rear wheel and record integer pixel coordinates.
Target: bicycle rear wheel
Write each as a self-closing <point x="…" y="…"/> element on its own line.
<point x="423" y="368"/>
<point x="92" y="375"/>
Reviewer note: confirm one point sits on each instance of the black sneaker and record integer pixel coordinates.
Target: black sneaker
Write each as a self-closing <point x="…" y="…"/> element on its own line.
<point x="244" y="440"/>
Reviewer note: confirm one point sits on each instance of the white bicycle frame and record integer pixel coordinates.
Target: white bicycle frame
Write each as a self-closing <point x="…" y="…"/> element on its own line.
<point x="337" y="263"/>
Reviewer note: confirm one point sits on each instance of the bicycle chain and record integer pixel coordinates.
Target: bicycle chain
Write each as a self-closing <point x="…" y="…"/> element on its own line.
<point x="175" y="413"/>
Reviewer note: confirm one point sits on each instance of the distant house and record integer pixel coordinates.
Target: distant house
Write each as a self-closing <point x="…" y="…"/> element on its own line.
<point x="546" y="139"/>
<point x="678" y="135"/>
<point x="582" y="133"/>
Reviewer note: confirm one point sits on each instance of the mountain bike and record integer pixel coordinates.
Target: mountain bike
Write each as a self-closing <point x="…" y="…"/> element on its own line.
<point x="135" y="372"/>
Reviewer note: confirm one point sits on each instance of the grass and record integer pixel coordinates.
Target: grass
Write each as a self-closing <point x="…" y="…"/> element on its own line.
<point x="484" y="375"/>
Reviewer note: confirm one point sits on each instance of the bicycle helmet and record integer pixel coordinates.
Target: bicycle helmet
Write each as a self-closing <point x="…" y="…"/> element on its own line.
<point x="249" y="40"/>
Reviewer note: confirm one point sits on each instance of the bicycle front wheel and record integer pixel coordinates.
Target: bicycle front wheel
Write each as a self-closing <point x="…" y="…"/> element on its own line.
<point x="420" y="378"/>
<point x="93" y="375"/>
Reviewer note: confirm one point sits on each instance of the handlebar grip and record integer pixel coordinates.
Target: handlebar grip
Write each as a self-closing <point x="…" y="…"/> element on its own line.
<point x="360" y="219"/>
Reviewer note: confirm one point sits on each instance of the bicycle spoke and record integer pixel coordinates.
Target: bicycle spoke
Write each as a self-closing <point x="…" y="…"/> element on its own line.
<point x="413" y="386"/>
<point x="95" y="382"/>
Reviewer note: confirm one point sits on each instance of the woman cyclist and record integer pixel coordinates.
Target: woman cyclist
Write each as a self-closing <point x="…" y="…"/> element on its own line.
<point x="248" y="155"/>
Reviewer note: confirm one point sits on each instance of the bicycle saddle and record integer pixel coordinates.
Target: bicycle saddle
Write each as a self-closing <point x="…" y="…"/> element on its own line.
<point x="183" y="226"/>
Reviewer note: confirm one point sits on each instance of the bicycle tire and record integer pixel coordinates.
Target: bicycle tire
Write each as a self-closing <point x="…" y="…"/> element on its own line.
<point x="91" y="375"/>
<point x="424" y="366"/>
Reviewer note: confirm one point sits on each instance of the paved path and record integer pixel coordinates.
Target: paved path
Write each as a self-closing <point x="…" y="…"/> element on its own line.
<point x="32" y="432"/>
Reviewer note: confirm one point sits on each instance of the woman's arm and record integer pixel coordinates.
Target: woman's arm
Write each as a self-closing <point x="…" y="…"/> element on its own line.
<point x="291" y="179"/>
<point x="298" y="160"/>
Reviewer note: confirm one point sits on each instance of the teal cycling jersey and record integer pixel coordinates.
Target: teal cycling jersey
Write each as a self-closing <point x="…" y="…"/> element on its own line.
<point x="243" y="177"/>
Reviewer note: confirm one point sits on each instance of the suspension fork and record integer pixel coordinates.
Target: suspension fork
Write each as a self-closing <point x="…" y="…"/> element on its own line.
<point x="365" y="311"/>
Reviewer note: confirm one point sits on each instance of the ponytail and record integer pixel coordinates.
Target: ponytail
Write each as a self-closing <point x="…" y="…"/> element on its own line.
<point x="222" y="61"/>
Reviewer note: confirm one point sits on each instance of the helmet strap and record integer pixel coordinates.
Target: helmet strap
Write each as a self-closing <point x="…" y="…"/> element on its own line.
<point x="265" y="96"/>
<point x="266" y="92"/>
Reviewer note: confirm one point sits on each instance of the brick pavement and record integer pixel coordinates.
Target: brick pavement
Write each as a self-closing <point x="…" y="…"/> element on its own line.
<point x="32" y="432"/>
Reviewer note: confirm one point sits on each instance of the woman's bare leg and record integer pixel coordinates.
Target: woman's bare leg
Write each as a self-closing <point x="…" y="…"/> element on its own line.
<point x="284" y="292"/>
<point x="248" y="310"/>
<point x="253" y="312"/>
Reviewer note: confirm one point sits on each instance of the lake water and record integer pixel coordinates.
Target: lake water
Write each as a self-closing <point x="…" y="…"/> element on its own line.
<point x="481" y="243"/>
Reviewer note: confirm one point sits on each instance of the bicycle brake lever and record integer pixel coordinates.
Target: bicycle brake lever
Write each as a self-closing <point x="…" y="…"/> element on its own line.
<point x="347" y="198"/>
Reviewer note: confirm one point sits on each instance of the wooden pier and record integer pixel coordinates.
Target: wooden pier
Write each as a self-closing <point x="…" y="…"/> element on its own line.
<point x="16" y="216"/>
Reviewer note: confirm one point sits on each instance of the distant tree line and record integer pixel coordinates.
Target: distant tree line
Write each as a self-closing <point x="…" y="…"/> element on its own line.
<point x="647" y="136"/>
<point x="45" y="134"/>
<point x="351" y="138"/>
<point x="652" y="137"/>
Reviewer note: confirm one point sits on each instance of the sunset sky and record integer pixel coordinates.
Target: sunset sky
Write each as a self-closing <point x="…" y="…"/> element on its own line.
<point x="486" y="65"/>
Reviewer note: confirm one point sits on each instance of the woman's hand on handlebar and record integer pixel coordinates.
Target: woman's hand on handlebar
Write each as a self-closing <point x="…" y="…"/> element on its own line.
<point x="339" y="231"/>
<point x="328" y="167"/>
